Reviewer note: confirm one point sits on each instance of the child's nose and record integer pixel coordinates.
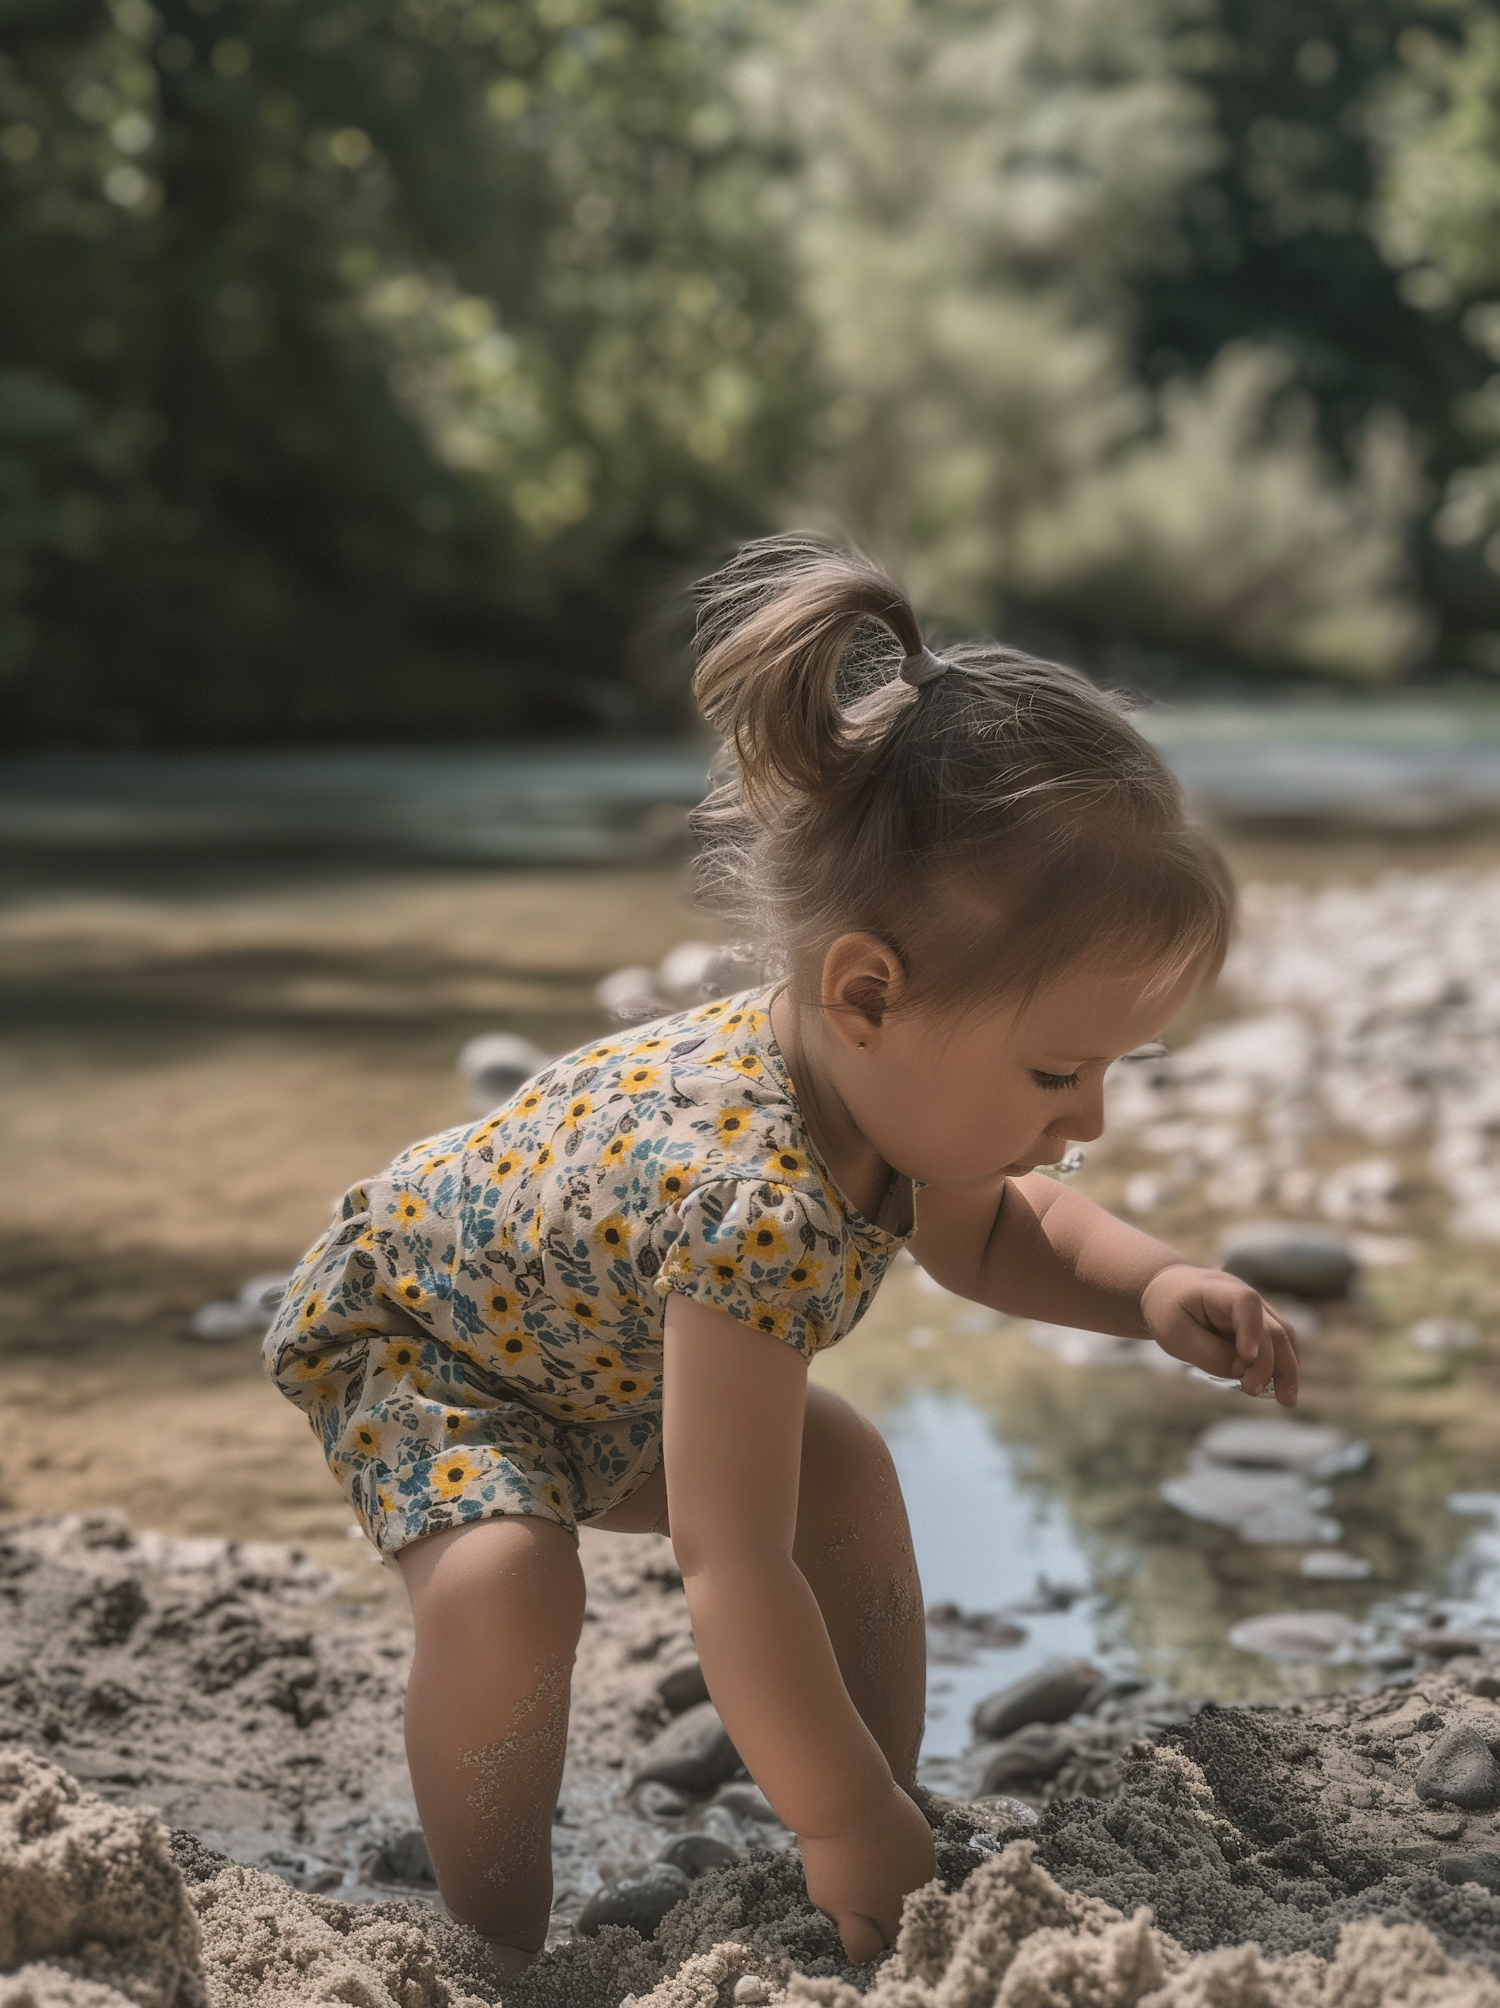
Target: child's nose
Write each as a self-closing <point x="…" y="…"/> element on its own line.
<point x="1085" y="1118"/>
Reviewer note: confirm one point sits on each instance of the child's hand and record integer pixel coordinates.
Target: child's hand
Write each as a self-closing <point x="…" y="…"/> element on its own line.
<point x="860" y="1878"/>
<point x="1216" y="1322"/>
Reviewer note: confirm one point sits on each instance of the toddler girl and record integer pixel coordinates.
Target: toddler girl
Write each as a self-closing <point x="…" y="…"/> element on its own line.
<point x="597" y="1306"/>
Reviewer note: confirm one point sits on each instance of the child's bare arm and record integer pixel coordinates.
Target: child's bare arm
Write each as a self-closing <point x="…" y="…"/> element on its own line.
<point x="1034" y="1248"/>
<point x="733" y="1436"/>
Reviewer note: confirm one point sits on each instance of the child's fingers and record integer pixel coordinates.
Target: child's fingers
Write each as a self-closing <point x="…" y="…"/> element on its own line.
<point x="1285" y="1343"/>
<point x="1248" y="1312"/>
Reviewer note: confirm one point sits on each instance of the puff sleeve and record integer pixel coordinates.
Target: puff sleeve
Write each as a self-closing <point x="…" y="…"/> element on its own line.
<point x="777" y="1258"/>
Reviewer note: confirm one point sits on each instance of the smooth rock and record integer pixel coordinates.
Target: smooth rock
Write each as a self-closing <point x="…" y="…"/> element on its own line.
<point x="1444" y="1335"/>
<point x="1335" y="1565"/>
<point x="747" y="1802"/>
<point x="494" y="1065"/>
<point x="222" y="1320"/>
<point x="638" y="1901"/>
<point x="655" y="1801"/>
<point x="1460" y="1770"/>
<point x="682" y="1688"/>
<point x="401" y="1858"/>
<point x="1439" y="1643"/>
<point x="1321" y="1635"/>
<point x="629" y="993"/>
<point x="1273" y="1443"/>
<point x="1261" y="1506"/>
<point x="696" y="1854"/>
<point x="1032" y="1754"/>
<point x="1054" y="1692"/>
<point x="1487" y="1685"/>
<point x="1289" y="1255"/>
<point x="750" y="1991"/>
<point x="1482" y="1867"/>
<point x="261" y="1297"/>
<point x="693" y="1753"/>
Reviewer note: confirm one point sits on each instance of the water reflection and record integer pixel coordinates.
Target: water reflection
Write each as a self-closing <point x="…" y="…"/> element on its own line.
<point x="1016" y="1465"/>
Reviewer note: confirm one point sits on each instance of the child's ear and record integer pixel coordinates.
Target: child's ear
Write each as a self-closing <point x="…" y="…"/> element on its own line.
<point x="863" y="978"/>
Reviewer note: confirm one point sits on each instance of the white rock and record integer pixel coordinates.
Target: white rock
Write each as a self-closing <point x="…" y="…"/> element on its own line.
<point x="687" y="974"/>
<point x="630" y="993"/>
<point x="261" y="1297"/>
<point x="1283" y="1444"/>
<point x="218" y="1322"/>
<point x="1319" y="1635"/>
<point x="494" y="1065"/>
<point x="1444" y="1335"/>
<point x="1262" y="1507"/>
<point x="1334" y="1565"/>
<point x="1147" y="1192"/>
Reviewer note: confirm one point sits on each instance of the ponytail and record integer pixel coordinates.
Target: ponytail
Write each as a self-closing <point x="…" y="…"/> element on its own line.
<point x="774" y="629"/>
<point x="990" y="816"/>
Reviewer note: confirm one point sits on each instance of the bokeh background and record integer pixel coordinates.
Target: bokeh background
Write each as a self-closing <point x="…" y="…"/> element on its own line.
<point x="375" y="375"/>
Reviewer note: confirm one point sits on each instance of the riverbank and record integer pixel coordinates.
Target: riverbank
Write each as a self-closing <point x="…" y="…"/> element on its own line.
<point x="200" y="1742"/>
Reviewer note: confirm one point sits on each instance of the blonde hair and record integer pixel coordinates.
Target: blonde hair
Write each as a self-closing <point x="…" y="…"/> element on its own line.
<point x="995" y="826"/>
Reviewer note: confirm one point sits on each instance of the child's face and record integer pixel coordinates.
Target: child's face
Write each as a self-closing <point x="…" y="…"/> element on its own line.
<point x="967" y="1098"/>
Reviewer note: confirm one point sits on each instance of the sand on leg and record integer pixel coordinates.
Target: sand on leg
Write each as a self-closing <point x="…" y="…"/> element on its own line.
<point x="854" y="1547"/>
<point x="498" y="1608"/>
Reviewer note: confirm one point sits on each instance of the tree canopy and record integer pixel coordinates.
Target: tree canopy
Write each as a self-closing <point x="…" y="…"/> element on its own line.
<point x="375" y="369"/>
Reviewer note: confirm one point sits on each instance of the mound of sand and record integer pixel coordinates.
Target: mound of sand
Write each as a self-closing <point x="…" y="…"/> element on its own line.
<point x="1250" y="1858"/>
<point x="98" y="1914"/>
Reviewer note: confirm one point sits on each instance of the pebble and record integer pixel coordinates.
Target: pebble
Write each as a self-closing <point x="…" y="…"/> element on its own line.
<point x="1460" y="1770"/>
<point x="1439" y="1643"/>
<point x="1444" y="1335"/>
<point x="986" y="1628"/>
<point x="1036" y="1752"/>
<point x="1000" y="1810"/>
<point x="1335" y="1565"/>
<point x="655" y="1801"/>
<point x="1291" y="1255"/>
<point x="681" y="1688"/>
<point x="747" y="1802"/>
<point x="629" y="994"/>
<point x="222" y="1320"/>
<point x="1443" y="1826"/>
<point x="494" y="1065"/>
<point x="1319" y="1635"/>
<point x="261" y="1297"/>
<point x="752" y="1989"/>
<point x="1265" y="1507"/>
<point x="639" y="1901"/>
<point x="1076" y="1348"/>
<point x="1271" y="1443"/>
<point x="1482" y="1867"/>
<point x="402" y="1858"/>
<point x="696" y="1854"/>
<point x="693" y="1752"/>
<point x="1054" y="1692"/>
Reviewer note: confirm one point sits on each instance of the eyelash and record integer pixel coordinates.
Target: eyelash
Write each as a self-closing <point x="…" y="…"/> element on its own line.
<point x="1055" y="1084"/>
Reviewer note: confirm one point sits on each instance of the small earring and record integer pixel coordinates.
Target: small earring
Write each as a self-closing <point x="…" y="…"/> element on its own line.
<point x="861" y="1044"/>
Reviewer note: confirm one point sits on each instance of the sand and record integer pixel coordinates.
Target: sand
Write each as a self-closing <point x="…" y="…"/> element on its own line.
<point x="203" y="1805"/>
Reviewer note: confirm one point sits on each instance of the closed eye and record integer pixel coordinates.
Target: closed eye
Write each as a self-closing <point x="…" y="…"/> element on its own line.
<point x="1055" y="1084"/>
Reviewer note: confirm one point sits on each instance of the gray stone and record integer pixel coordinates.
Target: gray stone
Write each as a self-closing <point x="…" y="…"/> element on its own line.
<point x="1460" y="1770"/>
<point x="639" y="1902"/>
<point x="1267" y="1507"/>
<point x="1320" y="1635"/>
<point x="696" y="1854"/>
<point x="1051" y="1694"/>
<point x="747" y="1802"/>
<point x="222" y="1321"/>
<point x="1289" y="1255"/>
<point x="682" y="1688"/>
<point x="693" y="1753"/>
<point x="1482" y="1867"/>
<point x="1283" y="1444"/>
<point x="401" y="1858"/>
<point x="1335" y="1565"/>
<point x="1037" y="1752"/>
<point x="655" y="1801"/>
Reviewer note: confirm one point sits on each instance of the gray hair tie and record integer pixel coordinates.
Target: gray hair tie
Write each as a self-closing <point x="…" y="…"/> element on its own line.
<point x="923" y="667"/>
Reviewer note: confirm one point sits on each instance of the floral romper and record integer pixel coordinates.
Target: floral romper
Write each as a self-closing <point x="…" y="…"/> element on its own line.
<point x="480" y="1330"/>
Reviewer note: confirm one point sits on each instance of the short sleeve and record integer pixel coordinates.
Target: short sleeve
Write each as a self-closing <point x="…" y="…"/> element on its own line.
<point x="772" y="1256"/>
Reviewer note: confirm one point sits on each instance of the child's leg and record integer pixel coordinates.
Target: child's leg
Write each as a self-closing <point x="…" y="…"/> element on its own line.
<point x="854" y="1547"/>
<point x="498" y="1607"/>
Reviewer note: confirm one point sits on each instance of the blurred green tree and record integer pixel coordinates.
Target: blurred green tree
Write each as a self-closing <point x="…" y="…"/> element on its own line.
<point x="979" y="195"/>
<point x="365" y="362"/>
